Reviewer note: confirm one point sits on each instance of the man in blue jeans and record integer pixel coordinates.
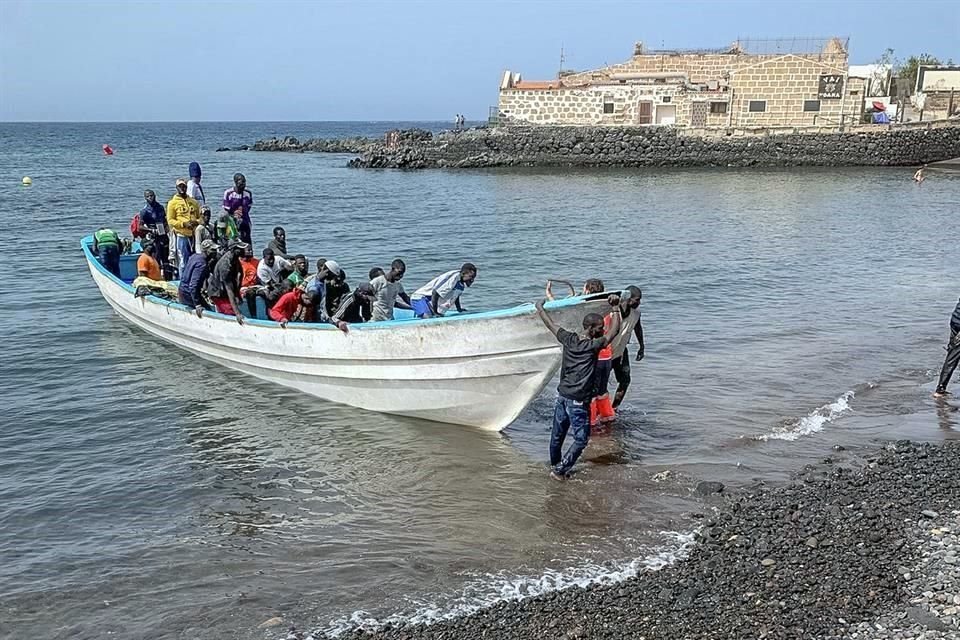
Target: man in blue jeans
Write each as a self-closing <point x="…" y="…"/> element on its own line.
<point x="577" y="383"/>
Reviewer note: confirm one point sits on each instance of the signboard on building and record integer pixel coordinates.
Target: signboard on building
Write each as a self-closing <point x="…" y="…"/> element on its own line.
<point x="831" y="87"/>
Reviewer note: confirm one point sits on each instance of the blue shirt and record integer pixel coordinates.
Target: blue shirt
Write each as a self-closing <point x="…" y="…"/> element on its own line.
<point x="192" y="279"/>
<point x="152" y="215"/>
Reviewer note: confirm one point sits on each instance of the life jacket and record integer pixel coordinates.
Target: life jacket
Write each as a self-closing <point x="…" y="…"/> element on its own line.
<point x="107" y="236"/>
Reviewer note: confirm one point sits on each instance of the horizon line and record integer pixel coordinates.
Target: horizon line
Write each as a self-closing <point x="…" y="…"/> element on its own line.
<point x="203" y="121"/>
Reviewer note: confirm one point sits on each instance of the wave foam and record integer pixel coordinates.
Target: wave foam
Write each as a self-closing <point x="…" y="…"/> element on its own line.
<point x="812" y="422"/>
<point x="489" y="589"/>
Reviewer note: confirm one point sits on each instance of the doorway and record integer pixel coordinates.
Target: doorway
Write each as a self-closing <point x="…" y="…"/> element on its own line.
<point x="667" y="114"/>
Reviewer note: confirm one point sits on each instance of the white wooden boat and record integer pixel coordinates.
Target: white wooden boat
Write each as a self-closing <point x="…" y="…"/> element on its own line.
<point x="478" y="369"/>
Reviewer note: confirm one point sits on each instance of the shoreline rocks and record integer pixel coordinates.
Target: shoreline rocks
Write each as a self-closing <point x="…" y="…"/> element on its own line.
<point x="838" y="553"/>
<point x="906" y="145"/>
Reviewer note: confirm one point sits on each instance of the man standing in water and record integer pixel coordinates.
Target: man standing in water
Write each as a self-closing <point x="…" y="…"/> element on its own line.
<point x="239" y="200"/>
<point x="577" y="383"/>
<point x="630" y="314"/>
<point x="953" y="355"/>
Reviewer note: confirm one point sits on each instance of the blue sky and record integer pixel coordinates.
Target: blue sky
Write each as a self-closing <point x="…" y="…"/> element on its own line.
<point x="371" y="60"/>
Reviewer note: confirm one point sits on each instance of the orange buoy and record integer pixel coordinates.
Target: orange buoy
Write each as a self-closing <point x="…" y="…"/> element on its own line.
<point x="107" y="150"/>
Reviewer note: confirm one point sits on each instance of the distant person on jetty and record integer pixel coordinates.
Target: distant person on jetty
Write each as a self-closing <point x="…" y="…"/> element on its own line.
<point x="386" y="289"/>
<point x="919" y="175"/>
<point x="194" y="190"/>
<point x="183" y="216"/>
<point x="223" y="284"/>
<point x="354" y="308"/>
<point x="239" y="200"/>
<point x="437" y="296"/>
<point x="107" y="246"/>
<point x="953" y="355"/>
<point x="147" y="265"/>
<point x="279" y="243"/>
<point x="577" y="383"/>
<point x="194" y="276"/>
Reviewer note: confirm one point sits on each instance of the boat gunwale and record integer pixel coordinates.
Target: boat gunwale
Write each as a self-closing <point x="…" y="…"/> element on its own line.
<point x="510" y="312"/>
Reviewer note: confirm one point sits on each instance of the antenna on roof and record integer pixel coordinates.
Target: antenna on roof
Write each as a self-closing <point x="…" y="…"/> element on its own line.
<point x="562" y="59"/>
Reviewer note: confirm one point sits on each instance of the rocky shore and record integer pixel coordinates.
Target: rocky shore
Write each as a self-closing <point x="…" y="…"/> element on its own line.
<point x="866" y="552"/>
<point x="906" y="145"/>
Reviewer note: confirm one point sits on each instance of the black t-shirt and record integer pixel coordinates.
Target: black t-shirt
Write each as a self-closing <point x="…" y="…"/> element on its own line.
<point x="223" y="275"/>
<point x="955" y="319"/>
<point x="579" y="365"/>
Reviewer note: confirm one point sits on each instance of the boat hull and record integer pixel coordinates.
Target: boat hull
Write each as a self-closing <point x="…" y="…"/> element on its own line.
<point x="480" y="370"/>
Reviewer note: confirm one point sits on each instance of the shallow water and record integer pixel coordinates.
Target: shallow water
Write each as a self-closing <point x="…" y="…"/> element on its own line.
<point x="147" y="493"/>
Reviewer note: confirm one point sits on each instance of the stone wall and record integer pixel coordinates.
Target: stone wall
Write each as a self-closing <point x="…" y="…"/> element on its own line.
<point x="585" y="105"/>
<point x="621" y="146"/>
<point x="783" y="82"/>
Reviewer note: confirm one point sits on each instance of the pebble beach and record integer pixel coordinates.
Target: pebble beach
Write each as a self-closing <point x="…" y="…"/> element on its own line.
<point x="847" y="550"/>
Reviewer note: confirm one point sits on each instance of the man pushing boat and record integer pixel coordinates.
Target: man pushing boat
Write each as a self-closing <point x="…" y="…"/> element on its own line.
<point x="577" y="382"/>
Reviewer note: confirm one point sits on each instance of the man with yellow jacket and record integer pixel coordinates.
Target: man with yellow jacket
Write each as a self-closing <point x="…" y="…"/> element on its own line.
<point x="183" y="216"/>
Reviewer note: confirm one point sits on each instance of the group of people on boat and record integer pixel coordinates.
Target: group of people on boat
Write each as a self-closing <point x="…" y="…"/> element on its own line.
<point x="216" y="267"/>
<point x="178" y="230"/>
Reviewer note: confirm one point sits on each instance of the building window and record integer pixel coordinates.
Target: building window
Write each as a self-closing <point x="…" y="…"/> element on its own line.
<point x="666" y="99"/>
<point x="757" y="106"/>
<point x="608" y="103"/>
<point x="811" y="105"/>
<point x="718" y="107"/>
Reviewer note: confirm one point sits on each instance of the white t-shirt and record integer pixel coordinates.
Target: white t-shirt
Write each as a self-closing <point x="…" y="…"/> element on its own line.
<point x="195" y="192"/>
<point x="447" y="286"/>
<point x="267" y="274"/>
<point x="384" y="297"/>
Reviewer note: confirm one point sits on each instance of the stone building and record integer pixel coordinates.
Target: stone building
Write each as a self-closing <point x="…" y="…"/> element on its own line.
<point x="937" y="92"/>
<point x="732" y="88"/>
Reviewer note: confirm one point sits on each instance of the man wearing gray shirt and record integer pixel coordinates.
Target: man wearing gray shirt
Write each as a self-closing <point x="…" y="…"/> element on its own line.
<point x="386" y="289"/>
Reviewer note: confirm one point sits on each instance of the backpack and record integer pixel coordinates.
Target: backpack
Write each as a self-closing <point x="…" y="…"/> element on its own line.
<point x="135" y="229"/>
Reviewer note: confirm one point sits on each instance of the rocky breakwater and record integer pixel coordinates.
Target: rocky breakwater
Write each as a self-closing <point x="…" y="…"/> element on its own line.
<point x="865" y="551"/>
<point x="665" y="146"/>
<point x="356" y="144"/>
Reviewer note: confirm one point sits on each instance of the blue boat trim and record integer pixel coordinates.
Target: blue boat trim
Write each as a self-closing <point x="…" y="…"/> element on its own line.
<point x="87" y="242"/>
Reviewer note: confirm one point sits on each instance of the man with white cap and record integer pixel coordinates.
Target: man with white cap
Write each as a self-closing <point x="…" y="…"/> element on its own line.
<point x="183" y="216"/>
<point x="316" y="285"/>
